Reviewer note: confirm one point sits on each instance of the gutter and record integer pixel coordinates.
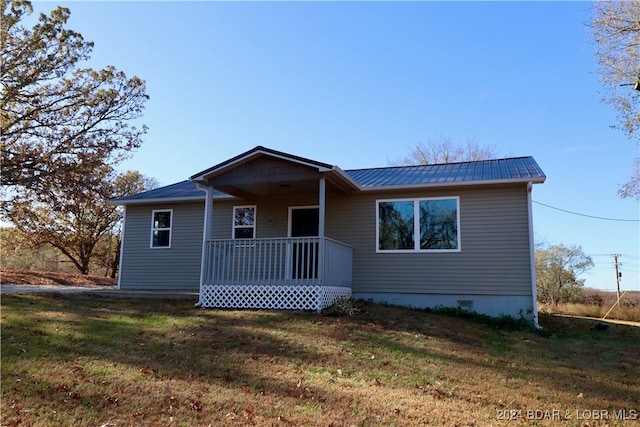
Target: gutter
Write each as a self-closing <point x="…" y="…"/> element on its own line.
<point x="124" y="224"/>
<point x="532" y="257"/>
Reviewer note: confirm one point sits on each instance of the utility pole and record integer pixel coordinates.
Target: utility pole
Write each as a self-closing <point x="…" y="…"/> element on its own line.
<point x="616" y="264"/>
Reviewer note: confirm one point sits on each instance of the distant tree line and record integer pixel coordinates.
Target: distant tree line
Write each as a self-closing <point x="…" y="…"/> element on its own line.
<point x="19" y="252"/>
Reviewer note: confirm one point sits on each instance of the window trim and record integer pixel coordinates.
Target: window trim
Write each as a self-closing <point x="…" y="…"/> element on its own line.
<point x="234" y="226"/>
<point x="153" y="228"/>
<point x="416" y="226"/>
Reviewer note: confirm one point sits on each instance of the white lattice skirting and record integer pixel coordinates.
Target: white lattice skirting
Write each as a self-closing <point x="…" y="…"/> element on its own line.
<point x="272" y="297"/>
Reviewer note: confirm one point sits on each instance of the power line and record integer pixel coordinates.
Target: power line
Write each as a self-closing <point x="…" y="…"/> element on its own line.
<point x="630" y="256"/>
<point x="588" y="216"/>
<point x="633" y="257"/>
<point x="624" y="255"/>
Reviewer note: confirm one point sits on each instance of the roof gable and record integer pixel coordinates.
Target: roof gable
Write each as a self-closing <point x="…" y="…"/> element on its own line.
<point x="253" y="154"/>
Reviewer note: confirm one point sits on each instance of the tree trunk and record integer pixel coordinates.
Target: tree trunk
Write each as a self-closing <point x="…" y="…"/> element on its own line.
<point x="115" y="264"/>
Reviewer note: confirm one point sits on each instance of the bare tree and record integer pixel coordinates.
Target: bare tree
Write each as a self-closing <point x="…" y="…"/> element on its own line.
<point x="615" y="27"/>
<point x="444" y="150"/>
<point x="632" y="187"/>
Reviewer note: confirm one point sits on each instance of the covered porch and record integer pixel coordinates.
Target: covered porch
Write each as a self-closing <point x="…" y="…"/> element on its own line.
<point x="272" y="267"/>
<point x="307" y="273"/>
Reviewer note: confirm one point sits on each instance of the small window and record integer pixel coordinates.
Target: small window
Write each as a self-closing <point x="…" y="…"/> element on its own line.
<point x="418" y="225"/>
<point x="161" y="228"/>
<point x="244" y="222"/>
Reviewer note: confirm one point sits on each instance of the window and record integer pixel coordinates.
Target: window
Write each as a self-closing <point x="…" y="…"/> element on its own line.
<point x="418" y="225"/>
<point x="161" y="228"/>
<point x="244" y="222"/>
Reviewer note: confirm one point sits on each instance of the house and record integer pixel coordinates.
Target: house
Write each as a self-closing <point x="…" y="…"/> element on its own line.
<point x="267" y="229"/>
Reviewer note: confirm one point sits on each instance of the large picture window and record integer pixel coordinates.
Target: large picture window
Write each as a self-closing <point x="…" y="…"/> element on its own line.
<point x="244" y="222"/>
<point x="418" y="225"/>
<point x="161" y="228"/>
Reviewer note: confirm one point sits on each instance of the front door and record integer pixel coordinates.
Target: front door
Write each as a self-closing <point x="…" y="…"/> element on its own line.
<point x="304" y="223"/>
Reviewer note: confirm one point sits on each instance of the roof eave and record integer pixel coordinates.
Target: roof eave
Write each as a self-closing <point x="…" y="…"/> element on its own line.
<point x="165" y="200"/>
<point x="118" y="202"/>
<point x="533" y="180"/>
<point x="347" y="183"/>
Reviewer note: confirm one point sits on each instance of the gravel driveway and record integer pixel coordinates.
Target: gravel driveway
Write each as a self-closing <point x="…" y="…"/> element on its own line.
<point x="65" y="289"/>
<point x="104" y="290"/>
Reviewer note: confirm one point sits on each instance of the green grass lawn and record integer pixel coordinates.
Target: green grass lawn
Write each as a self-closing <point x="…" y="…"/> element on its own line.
<point x="86" y="360"/>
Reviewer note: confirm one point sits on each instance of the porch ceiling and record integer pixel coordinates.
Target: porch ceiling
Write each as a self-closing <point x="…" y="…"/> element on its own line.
<point x="264" y="189"/>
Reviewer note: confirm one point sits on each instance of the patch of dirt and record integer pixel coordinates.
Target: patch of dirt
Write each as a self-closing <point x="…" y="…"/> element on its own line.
<point x="25" y="277"/>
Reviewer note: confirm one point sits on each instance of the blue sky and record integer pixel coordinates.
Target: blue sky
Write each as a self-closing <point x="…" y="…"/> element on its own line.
<point x="358" y="84"/>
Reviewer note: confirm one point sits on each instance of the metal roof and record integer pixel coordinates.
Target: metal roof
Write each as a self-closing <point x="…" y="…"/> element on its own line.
<point x="183" y="191"/>
<point x="483" y="171"/>
<point x="520" y="169"/>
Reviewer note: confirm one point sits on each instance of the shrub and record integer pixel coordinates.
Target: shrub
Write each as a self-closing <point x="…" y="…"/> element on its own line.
<point x="341" y="307"/>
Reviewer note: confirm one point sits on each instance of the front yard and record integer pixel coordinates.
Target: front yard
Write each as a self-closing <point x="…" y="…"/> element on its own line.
<point x="95" y="361"/>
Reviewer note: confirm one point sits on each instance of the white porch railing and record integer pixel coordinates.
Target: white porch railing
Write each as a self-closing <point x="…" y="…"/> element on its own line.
<point x="295" y="261"/>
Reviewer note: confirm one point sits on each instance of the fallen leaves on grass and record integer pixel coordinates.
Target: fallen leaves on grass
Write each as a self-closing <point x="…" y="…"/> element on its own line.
<point x="286" y="368"/>
<point x="195" y="405"/>
<point x="248" y="415"/>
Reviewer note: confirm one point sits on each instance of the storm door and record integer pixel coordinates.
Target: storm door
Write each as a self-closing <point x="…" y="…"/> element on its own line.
<point x="303" y="222"/>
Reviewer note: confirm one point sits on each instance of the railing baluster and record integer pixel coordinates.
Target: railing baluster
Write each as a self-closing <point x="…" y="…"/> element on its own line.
<point x="311" y="261"/>
<point x="279" y="261"/>
<point x="256" y="261"/>
<point x="233" y="267"/>
<point x="270" y="260"/>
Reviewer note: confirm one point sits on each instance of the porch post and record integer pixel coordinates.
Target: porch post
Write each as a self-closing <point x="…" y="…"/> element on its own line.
<point x="206" y="236"/>
<point x="321" y="205"/>
<point x="321" y="216"/>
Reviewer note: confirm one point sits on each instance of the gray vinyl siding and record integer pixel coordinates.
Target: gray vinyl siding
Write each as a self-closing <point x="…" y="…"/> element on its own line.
<point x="276" y="208"/>
<point x="494" y="257"/>
<point x="173" y="269"/>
